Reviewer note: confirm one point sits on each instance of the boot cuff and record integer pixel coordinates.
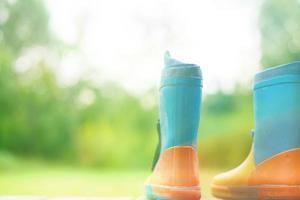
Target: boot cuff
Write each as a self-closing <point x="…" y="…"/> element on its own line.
<point x="175" y="68"/>
<point x="282" y="70"/>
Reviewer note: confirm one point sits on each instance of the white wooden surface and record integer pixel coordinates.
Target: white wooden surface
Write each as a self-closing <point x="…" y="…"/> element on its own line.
<point x="76" y="198"/>
<point x="66" y="198"/>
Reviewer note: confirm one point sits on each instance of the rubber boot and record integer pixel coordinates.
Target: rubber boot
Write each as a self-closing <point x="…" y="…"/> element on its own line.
<point x="272" y="169"/>
<point x="176" y="174"/>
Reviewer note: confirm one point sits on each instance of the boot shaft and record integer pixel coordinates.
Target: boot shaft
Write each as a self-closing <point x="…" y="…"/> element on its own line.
<point x="180" y="103"/>
<point x="277" y="111"/>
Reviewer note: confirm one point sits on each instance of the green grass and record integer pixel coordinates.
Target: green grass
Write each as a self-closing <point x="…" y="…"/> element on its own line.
<point x="66" y="181"/>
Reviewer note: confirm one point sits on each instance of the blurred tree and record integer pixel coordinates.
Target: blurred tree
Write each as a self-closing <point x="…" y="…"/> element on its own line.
<point x="94" y="125"/>
<point x="23" y="24"/>
<point x="220" y="103"/>
<point x="280" y="32"/>
<point x="226" y="122"/>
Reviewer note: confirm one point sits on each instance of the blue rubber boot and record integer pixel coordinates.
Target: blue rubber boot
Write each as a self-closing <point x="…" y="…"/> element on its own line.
<point x="272" y="169"/>
<point x="175" y="175"/>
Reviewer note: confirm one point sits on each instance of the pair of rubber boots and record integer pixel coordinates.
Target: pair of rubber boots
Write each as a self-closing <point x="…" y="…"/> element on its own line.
<point x="272" y="169"/>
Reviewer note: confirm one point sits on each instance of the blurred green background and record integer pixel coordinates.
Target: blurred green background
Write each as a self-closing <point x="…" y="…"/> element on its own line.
<point x="87" y="139"/>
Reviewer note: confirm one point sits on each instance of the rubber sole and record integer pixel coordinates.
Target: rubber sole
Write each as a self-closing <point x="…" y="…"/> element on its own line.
<point x="155" y="192"/>
<point x="274" y="192"/>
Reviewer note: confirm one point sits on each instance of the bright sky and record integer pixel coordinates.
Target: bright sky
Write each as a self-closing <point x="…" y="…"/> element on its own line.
<point x="124" y="41"/>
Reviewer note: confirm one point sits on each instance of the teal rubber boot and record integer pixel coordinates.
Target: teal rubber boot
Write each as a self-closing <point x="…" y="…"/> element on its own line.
<point x="175" y="175"/>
